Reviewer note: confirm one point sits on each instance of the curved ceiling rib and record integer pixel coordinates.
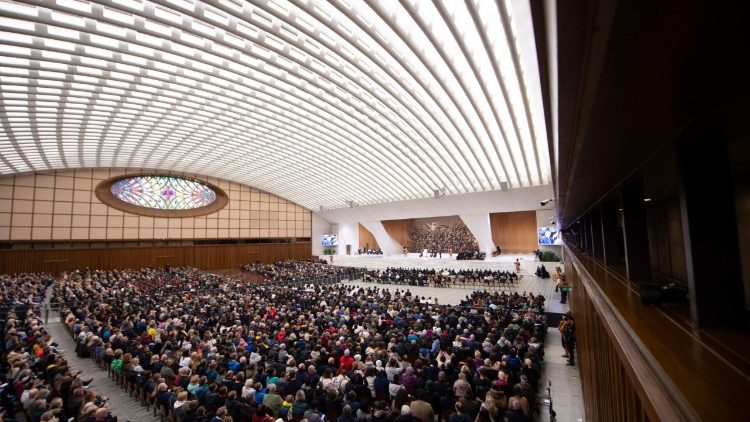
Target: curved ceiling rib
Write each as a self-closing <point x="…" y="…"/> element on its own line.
<point x="425" y="27"/>
<point x="321" y="102"/>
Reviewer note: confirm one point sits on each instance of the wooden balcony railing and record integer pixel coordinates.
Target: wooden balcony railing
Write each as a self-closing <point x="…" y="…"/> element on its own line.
<point x="637" y="363"/>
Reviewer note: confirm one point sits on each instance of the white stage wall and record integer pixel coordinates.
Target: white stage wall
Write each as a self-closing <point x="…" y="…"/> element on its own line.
<point x="319" y="227"/>
<point x="473" y="208"/>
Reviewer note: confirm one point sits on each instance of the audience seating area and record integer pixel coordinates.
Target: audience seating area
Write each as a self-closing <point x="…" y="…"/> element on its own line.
<point x="493" y="279"/>
<point x="196" y="346"/>
<point x="38" y="384"/>
<point x="369" y="251"/>
<point x="302" y="271"/>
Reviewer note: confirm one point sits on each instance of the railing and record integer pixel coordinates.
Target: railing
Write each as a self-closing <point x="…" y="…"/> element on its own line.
<point x="621" y="379"/>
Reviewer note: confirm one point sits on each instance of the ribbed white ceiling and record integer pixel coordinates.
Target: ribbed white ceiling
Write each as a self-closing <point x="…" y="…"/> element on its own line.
<point x="320" y="102"/>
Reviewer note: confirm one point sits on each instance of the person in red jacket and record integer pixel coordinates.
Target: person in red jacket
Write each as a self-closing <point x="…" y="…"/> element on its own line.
<point x="346" y="361"/>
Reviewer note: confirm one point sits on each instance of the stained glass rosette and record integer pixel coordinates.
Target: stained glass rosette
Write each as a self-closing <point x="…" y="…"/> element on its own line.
<point x="163" y="192"/>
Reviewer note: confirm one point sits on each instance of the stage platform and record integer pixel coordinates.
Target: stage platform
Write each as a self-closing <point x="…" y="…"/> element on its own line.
<point x="453" y="295"/>
<point x="412" y="260"/>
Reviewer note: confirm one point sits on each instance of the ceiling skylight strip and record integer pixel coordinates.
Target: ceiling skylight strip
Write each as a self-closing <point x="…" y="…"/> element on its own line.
<point x="317" y="101"/>
<point x="395" y="75"/>
<point x="124" y="110"/>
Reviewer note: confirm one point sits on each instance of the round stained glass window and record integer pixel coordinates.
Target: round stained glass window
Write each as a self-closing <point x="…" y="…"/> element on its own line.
<point x="163" y="192"/>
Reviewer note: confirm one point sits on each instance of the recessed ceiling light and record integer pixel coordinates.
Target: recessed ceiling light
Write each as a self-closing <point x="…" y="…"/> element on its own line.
<point x="646" y="199"/>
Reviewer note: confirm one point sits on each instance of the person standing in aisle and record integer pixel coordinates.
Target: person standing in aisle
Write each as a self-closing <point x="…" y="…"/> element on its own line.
<point x="564" y="290"/>
<point x="569" y="339"/>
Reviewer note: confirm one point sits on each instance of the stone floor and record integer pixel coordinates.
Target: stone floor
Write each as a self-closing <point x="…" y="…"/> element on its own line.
<point x="567" y="400"/>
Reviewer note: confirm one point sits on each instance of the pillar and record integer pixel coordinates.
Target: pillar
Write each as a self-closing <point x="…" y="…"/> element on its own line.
<point x="637" y="259"/>
<point x="709" y="225"/>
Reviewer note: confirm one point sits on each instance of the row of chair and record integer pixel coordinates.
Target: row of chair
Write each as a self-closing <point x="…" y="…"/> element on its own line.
<point x="507" y="286"/>
<point x="135" y="390"/>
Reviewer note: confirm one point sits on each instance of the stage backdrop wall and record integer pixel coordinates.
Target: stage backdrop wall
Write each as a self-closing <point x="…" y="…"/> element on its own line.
<point x="347" y="219"/>
<point x="205" y="257"/>
<point x="515" y="231"/>
<point x="319" y="228"/>
<point x="366" y="239"/>
<point x="399" y="229"/>
<point x="61" y="205"/>
<point x="448" y="220"/>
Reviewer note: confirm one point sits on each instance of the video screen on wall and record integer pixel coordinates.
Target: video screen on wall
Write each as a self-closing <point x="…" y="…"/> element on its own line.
<point x="329" y="240"/>
<point x="549" y="236"/>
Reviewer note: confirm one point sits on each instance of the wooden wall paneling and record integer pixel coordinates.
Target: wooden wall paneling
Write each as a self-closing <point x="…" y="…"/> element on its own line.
<point x="366" y="239"/>
<point x="209" y="256"/>
<point x="283" y="251"/>
<point x="399" y="229"/>
<point x="598" y="360"/>
<point x="634" y="391"/>
<point x="268" y="253"/>
<point x="203" y="256"/>
<point x="236" y="254"/>
<point x="302" y="250"/>
<point x="514" y="231"/>
<point x="172" y="256"/>
<point x="255" y="253"/>
<point x="265" y="254"/>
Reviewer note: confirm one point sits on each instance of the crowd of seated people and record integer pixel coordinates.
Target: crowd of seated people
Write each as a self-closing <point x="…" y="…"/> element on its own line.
<point x="433" y="253"/>
<point x="542" y="272"/>
<point x="365" y="251"/>
<point x="472" y="255"/>
<point x="461" y="256"/>
<point x="208" y="348"/>
<point x="440" y="278"/>
<point x="38" y="383"/>
<point x="22" y="291"/>
<point x="299" y="271"/>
